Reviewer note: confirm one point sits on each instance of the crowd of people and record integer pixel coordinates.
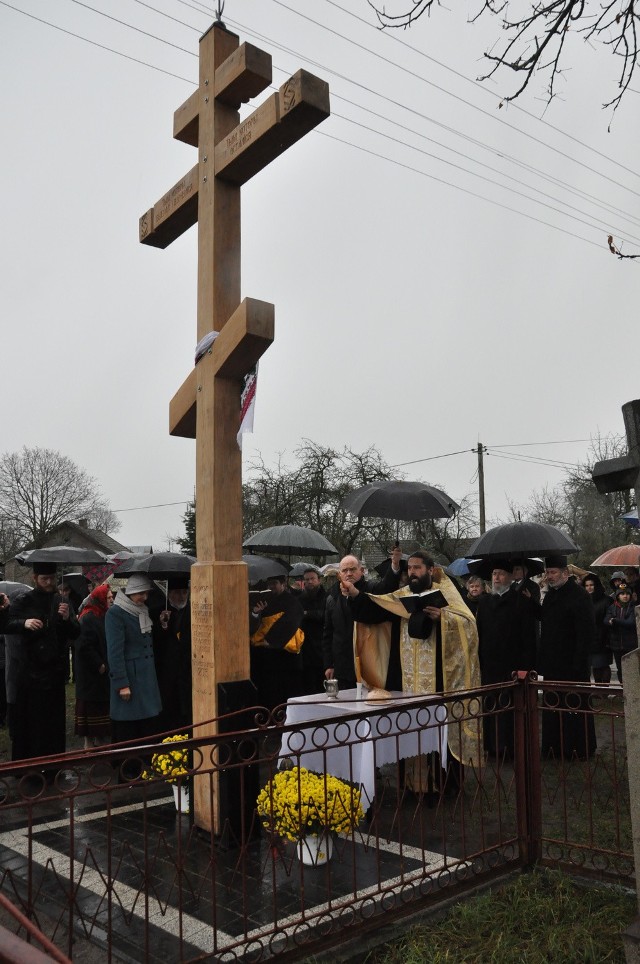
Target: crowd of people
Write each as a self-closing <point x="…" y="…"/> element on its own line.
<point x="131" y="662"/>
<point x="510" y="615"/>
<point x="132" y="647"/>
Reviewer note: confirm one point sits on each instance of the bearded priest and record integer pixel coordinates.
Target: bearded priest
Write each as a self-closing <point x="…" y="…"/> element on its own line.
<point x="438" y="654"/>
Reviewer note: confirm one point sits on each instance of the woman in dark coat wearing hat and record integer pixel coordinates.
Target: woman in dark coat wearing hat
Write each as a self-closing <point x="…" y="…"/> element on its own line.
<point x="91" y="670"/>
<point x="620" y="620"/>
<point x="134" y="697"/>
<point x="600" y="655"/>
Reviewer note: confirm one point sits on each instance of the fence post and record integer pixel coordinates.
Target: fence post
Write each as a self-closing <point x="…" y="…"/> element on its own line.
<point x="527" y="767"/>
<point x="631" y="681"/>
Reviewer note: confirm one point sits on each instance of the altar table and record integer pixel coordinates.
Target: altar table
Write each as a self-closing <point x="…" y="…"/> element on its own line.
<point x="319" y="738"/>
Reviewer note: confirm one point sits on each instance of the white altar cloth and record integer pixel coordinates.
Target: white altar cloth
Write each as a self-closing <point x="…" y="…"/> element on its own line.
<point x="374" y="736"/>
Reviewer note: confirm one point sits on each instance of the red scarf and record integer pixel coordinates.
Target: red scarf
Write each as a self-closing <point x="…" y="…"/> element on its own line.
<point x="97" y="602"/>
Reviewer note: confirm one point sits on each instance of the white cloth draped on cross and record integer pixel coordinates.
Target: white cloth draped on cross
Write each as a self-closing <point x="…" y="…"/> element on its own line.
<point x="248" y="393"/>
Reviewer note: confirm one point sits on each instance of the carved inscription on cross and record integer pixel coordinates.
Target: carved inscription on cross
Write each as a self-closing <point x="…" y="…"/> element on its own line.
<point x="623" y="473"/>
<point x="207" y="406"/>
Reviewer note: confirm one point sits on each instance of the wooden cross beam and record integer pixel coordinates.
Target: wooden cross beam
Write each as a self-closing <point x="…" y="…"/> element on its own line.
<point x="207" y="406"/>
<point x="623" y="473"/>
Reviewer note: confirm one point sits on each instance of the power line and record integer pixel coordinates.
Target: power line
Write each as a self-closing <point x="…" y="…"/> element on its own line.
<point x="94" y="43"/>
<point x="534" y="458"/>
<point x="604" y="224"/>
<point x="472" y="173"/>
<point x="464" y="190"/>
<point x="566" y="441"/>
<point x="482" y="177"/>
<point x="130" y="26"/>
<point x="486" y="447"/>
<point x="456" y="97"/>
<point x="492" y="150"/>
<point x="160" y="505"/>
<point x="483" y="146"/>
<point x="532" y="461"/>
<point x="485" y="90"/>
<point x="430" y="458"/>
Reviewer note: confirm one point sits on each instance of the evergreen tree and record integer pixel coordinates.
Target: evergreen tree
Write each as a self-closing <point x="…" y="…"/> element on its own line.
<point x="188" y="542"/>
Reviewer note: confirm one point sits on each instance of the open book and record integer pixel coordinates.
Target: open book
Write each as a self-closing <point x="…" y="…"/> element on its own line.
<point x="416" y="602"/>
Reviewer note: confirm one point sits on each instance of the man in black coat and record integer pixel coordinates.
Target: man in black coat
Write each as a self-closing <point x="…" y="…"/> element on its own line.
<point x="45" y="625"/>
<point x="567" y="637"/>
<point x="337" y="637"/>
<point x="4" y="612"/>
<point x="507" y="622"/>
<point x="313" y="599"/>
<point x="172" y="654"/>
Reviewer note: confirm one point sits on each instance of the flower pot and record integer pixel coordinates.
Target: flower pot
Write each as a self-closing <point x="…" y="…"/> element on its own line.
<point x="315" y="850"/>
<point x="181" y="797"/>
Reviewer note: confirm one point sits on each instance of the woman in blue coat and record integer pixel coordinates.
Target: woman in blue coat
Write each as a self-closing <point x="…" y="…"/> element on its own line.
<point x="134" y="697"/>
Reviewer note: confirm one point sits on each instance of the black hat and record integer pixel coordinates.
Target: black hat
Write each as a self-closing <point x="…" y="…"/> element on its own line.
<point x="623" y="588"/>
<point x="556" y="562"/>
<point x="178" y="582"/>
<point x="484" y="567"/>
<point x="44" y="568"/>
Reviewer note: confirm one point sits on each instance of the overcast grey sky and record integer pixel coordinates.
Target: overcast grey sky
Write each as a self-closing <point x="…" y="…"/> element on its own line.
<point x="418" y="306"/>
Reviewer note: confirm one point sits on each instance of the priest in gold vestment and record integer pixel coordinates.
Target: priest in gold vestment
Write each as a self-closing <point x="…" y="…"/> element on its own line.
<point x="438" y="653"/>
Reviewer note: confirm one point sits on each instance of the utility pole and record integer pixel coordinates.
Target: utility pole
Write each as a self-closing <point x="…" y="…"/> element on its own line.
<point x="480" y="451"/>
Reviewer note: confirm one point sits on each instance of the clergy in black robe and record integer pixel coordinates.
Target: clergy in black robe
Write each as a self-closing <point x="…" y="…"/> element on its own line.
<point x="567" y="638"/>
<point x="507" y="622"/>
<point x="44" y="626"/>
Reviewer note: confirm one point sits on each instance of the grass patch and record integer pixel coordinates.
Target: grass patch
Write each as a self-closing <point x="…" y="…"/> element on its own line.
<point x="542" y="916"/>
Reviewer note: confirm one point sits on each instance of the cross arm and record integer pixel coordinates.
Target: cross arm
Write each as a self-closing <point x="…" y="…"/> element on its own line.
<point x="622" y="473"/>
<point x="299" y="106"/>
<point x="243" y="75"/>
<point x="240" y="344"/>
<point x="173" y="214"/>
<point x="616" y="475"/>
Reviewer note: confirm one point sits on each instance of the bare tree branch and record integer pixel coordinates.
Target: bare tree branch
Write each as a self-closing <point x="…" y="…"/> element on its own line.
<point x="614" y="249"/>
<point x="40" y="488"/>
<point x="537" y="40"/>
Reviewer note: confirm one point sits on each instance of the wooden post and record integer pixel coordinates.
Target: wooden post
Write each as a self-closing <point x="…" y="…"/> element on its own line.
<point x="207" y="406"/>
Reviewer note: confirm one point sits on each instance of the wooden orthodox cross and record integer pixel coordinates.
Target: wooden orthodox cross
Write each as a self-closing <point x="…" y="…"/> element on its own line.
<point x="207" y="406"/>
<point x="623" y="473"/>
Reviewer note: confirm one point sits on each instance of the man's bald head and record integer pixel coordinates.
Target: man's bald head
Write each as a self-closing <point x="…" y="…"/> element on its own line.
<point x="351" y="569"/>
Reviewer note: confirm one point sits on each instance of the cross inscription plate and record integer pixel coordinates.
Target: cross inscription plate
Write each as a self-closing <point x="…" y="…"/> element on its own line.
<point x="207" y="406"/>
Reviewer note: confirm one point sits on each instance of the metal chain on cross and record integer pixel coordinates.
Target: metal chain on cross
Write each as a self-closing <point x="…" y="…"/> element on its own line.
<point x="220" y="11"/>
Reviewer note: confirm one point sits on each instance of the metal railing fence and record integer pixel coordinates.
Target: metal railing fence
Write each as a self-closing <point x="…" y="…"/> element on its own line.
<point x="90" y="849"/>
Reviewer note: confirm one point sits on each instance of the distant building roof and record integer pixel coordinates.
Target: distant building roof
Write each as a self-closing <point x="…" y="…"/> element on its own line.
<point x="140" y="550"/>
<point x="72" y="534"/>
<point x="79" y="534"/>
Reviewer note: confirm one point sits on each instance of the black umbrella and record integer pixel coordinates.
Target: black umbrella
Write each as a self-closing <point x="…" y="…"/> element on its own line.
<point x="61" y="555"/>
<point x="521" y="539"/>
<point x="298" y="569"/>
<point x="260" y="567"/>
<point x="296" y="540"/>
<point x="484" y="567"/>
<point x="14" y="589"/>
<point x="406" y="501"/>
<point x="158" y="565"/>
